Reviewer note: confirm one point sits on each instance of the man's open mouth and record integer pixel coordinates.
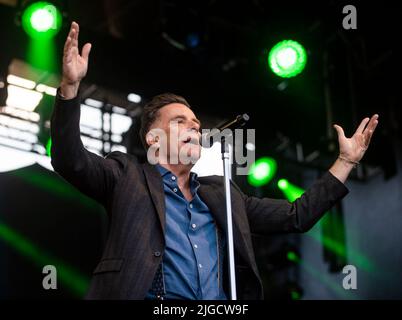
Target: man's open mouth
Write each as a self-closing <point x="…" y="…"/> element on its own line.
<point x="192" y="140"/>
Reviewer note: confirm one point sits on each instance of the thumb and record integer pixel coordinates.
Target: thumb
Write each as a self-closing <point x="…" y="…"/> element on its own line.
<point x="339" y="130"/>
<point x="86" y="50"/>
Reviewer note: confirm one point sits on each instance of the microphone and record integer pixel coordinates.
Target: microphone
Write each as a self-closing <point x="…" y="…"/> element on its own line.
<point x="208" y="139"/>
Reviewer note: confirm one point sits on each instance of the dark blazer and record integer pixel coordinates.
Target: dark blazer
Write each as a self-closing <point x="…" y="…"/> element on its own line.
<point x="132" y="193"/>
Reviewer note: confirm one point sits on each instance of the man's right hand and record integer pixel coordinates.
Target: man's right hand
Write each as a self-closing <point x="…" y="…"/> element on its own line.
<point x="75" y="66"/>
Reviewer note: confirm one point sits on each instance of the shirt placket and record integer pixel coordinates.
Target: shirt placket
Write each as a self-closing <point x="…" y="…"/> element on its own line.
<point x="193" y="229"/>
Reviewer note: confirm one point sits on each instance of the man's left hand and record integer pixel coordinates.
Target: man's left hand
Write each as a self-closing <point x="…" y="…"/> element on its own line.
<point x="354" y="148"/>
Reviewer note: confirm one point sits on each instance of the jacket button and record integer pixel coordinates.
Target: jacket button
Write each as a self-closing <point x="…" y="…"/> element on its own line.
<point x="157" y="254"/>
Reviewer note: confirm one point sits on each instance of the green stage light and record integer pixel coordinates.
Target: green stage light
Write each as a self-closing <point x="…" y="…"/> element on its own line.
<point x="262" y="171"/>
<point x="41" y="20"/>
<point x="290" y="191"/>
<point x="282" y="184"/>
<point x="287" y="58"/>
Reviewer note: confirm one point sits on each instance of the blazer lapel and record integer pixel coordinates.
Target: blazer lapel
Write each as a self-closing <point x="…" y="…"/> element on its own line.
<point x="214" y="198"/>
<point x="155" y="186"/>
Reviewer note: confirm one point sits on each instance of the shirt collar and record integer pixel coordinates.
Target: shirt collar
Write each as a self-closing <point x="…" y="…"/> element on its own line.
<point x="163" y="171"/>
<point x="194" y="184"/>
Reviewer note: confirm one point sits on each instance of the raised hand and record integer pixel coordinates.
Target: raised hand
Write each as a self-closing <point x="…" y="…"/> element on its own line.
<point x="75" y="66"/>
<point x="354" y="148"/>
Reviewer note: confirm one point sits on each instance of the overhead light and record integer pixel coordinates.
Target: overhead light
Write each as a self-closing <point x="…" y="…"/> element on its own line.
<point x="14" y="144"/>
<point x="27" y="115"/>
<point x="132" y="97"/>
<point x="21" y="82"/>
<point x="91" y="117"/>
<point x="41" y="20"/>
<point x="22" y="98"/>
<point x="22" y="125"/>
<point x="94" y="103"/>
<point x="120" y="123"/>
<point x="287" y="58"/>
<point x="46" y="89"/>
<point x="193" y="40"/>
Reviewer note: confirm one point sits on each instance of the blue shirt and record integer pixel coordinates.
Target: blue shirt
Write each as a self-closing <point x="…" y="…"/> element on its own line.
<point x="191" y="263"/>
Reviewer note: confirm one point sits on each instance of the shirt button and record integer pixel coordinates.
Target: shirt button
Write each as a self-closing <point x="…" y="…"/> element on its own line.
<point x="175" y="189"/>
<point x="194" y="226"/>
<point x="191" y="205"/>
<point x="157" y="254"/>
<point x="173" y="178"/>
<point x="200" y="265"/>
<point x="195" y="246"/>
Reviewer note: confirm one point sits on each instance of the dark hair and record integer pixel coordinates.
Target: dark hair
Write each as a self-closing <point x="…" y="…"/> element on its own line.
<point x="151" y="110"/>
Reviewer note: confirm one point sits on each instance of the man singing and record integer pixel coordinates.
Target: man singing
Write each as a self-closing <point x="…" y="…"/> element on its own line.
<point x="167" y="228"/>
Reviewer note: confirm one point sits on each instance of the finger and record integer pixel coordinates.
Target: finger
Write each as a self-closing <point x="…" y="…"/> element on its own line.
<point x="67" y="50"/>
<point x="362" y="125"/>
<point x="367" y="138"/>
<point x="369" y="133"/>
<point x="74" y="40"/>
<point x="373" y="123"/>
<point x="70" y="54"/>
<point x="85" y="51"/>
<point x="73" y="30"/>
<point x="73" y="33"/>
<point x="67" y="45"/>
<point x="68" y="58"/>
<point x="74" y="51"/>
<point x="75" y="26"/>
<point x="339" y="130"/>
<point x="77" y="30"/>
<point x="72" y="27"/>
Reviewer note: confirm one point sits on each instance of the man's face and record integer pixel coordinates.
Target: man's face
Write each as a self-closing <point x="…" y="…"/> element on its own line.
<point x="182" y="129"/>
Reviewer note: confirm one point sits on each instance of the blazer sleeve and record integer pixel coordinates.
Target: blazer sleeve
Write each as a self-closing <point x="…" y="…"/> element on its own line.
<point x="268" y="216"/>
<point x="93" y="175"/>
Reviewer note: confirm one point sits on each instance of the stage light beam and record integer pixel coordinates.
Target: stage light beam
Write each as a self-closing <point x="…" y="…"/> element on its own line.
<point x="293" y="192"/>
<point x="290" y="191"/>
<point x="75" y="281"/>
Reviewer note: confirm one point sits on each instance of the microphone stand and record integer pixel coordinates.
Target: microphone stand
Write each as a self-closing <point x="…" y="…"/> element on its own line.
<point x="227" y="170"/>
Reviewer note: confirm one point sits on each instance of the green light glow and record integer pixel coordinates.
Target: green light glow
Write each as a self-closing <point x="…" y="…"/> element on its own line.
<point x="56" y="186"/>
<point x="262" y="171"/>
<point x="49" y="147"/>
<point x="282" y="184"/>
<point x="290" y="191"/>
<point x="36" y="58"/>
<point x="72" y="279"/>
<point x="287" y="58"/>
<point x="295" y="295"/>
<point x="330" y="283"/>
<point x="293" y="192"/>
<point x="41" y="20"/>
<point x="360" y="260"/>
<point x="292" y="256"/>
